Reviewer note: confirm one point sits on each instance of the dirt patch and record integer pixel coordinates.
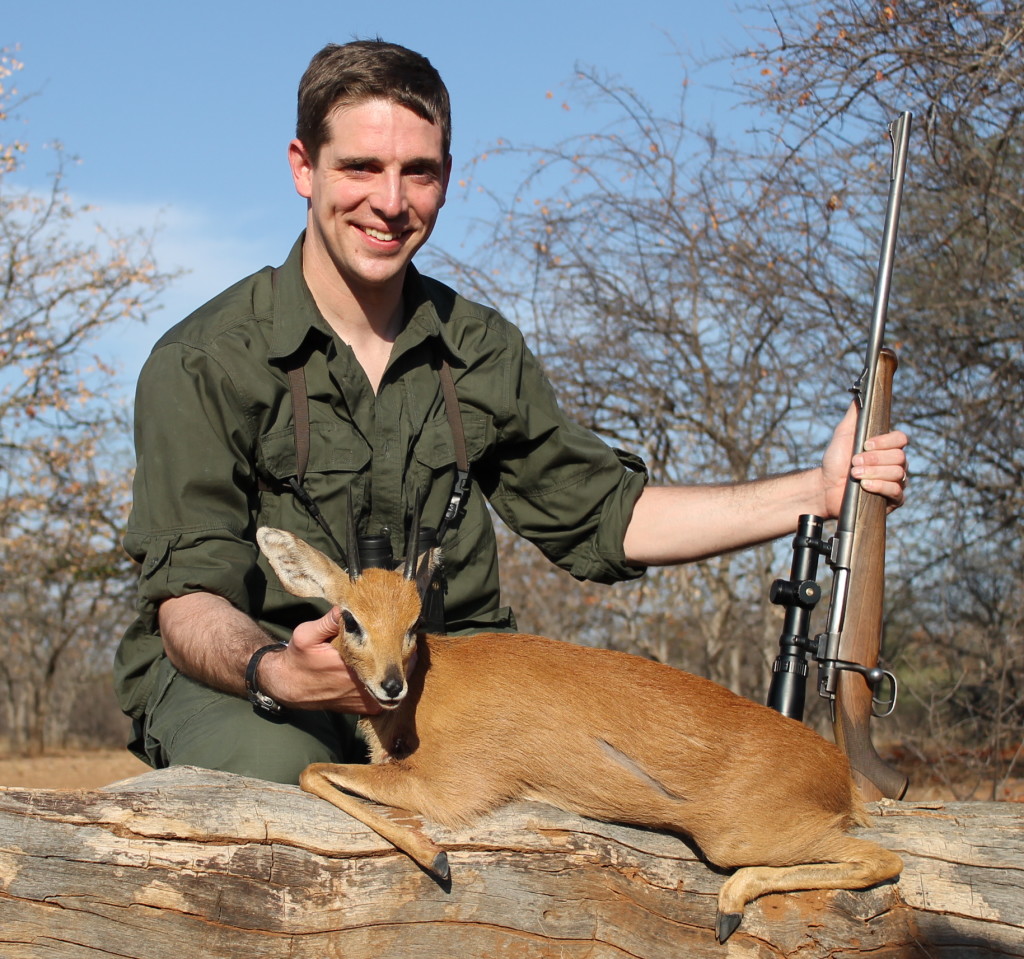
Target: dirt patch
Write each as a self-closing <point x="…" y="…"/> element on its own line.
<point x="70" y="770"/>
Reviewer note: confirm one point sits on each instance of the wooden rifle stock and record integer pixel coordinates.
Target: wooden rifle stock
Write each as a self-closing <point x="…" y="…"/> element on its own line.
<point x="862" y="627"/>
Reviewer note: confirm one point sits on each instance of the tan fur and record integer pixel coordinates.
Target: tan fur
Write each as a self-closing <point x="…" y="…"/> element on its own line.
<point x="492" y="718"/>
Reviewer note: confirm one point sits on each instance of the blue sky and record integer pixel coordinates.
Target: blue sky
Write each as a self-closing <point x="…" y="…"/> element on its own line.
<point x="180" y="114"/>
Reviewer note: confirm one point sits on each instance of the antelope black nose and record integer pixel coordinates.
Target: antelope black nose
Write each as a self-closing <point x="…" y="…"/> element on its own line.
<point x="393" y="686"/>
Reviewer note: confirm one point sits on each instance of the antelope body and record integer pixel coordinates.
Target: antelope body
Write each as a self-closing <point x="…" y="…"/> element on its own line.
<point x="488" y="719"/>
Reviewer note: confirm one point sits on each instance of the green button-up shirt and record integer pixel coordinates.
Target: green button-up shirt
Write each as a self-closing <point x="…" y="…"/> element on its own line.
<point x="215" y="441"/>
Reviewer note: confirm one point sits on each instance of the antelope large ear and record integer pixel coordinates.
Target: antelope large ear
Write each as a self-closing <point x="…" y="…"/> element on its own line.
<point x="302" y="569"/>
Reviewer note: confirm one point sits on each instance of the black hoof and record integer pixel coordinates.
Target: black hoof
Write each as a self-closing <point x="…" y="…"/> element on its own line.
<point x="726" y="924"/>
<point x="439" y="867"/>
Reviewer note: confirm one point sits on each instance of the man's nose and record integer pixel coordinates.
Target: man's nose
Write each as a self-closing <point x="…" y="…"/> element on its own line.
<point x="389" y="198"/>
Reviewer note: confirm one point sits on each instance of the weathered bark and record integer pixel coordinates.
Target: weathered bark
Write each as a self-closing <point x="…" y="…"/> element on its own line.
<point x="187" y="863"/>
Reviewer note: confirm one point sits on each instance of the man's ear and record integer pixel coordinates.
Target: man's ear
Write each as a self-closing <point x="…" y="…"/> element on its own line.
<point x="446" y="176"/>
<point x="302" y="167"/>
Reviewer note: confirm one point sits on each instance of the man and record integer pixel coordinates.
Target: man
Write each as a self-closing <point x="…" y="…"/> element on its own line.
<point x="303" y="388"/>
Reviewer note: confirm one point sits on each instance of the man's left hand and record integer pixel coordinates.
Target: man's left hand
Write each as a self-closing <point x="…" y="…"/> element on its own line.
<point x="881" y="467"/>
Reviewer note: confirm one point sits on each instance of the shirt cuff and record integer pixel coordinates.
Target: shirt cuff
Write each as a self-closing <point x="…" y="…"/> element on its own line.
<point x="604" y="559"/>
<point x="210" y="561"/>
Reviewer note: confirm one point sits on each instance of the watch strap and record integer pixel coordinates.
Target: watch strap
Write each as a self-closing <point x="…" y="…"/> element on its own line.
<point x="258" y="698"/>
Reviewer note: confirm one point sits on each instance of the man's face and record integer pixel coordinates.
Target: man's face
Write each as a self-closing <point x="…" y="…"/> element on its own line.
<point x="374" y="193"/>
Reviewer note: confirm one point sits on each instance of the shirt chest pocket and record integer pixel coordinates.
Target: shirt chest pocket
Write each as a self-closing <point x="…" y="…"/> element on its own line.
<point x="435" y="448"/>
<point x="338" y="461"/>
<point x="332" y="448"/>
<point x="433" y="467"/>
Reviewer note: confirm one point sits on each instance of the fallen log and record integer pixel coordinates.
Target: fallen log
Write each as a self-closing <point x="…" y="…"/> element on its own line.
<point x="189" y="863"/>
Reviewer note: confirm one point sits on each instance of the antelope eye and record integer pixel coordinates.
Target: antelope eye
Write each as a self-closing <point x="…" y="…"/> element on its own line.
<point x="350" y="623"/>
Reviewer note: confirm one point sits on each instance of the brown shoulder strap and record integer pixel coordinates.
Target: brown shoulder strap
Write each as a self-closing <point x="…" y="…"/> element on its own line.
<point x="300" y="416"/>
<point x="460" y="488"/>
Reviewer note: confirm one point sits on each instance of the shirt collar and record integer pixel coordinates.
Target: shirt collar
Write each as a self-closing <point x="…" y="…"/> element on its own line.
<point x="295" y="310"/>
<point x="423" y="320"/>
<point x="296" y="315"/>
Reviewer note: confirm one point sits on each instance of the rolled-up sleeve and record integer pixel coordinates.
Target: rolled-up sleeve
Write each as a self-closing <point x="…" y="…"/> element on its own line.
<point x="194" y="482"/>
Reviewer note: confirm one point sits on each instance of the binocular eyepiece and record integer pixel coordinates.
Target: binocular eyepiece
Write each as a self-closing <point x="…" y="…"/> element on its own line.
<point x="375" y="548"/>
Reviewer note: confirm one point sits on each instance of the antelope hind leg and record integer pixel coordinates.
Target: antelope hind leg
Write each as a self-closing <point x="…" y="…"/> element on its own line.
<point x="327" y="781"/>
<point x="861" y="864"/>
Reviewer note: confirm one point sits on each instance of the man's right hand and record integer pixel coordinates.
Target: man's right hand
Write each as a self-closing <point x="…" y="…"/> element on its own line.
<point x="310" y="673"/>
<point x="210" y="640"/>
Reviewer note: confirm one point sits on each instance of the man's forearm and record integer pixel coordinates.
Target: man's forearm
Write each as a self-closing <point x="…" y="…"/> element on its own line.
<point x="209" y="640"/>
<point x="678" y="524"/>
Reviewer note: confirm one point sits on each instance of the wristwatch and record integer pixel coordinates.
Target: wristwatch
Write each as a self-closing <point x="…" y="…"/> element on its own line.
<point x="259" y="699"/>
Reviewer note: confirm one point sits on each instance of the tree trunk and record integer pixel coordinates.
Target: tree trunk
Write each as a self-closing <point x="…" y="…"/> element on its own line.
<point x="188" y="863"/>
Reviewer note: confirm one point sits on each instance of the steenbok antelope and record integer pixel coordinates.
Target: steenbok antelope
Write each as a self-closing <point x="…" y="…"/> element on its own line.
<point x="488" y="719"/>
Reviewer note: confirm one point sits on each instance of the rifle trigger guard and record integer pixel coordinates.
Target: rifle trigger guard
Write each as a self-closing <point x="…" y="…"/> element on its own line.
<point x="874" y="677"/>
<point x="888" y="704"/>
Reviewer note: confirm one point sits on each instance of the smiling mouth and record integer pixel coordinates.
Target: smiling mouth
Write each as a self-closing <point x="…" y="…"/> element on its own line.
<point x="381" y="234"/>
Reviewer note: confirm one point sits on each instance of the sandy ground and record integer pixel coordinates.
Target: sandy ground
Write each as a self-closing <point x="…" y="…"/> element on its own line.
<point x="71" y="770"/>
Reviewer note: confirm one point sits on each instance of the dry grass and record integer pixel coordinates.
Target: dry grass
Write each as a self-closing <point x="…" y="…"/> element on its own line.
<point x="79" y="769"/>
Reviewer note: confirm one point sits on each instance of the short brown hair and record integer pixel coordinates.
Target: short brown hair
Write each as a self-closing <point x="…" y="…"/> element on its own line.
<point x="351" y="73"/>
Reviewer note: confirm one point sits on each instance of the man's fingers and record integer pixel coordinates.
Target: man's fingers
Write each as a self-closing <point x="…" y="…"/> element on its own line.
<point x="328" y="623"/>
<point x="887" y="481"/>
<point x="317" y="631"/>
<point x="884" y="457"/>
<point x="894" y="440"/>
<point x="882" y="467"/>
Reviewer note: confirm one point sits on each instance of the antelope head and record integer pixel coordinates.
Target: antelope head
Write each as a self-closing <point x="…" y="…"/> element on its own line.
<point x="380" y="608"/>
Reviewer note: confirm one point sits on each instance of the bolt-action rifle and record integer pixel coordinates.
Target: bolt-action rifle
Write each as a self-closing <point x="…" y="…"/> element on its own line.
<point x="847" y="652"/>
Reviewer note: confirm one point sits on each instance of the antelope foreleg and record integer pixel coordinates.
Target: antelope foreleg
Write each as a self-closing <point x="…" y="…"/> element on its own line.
<point x="327" y="781"/>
